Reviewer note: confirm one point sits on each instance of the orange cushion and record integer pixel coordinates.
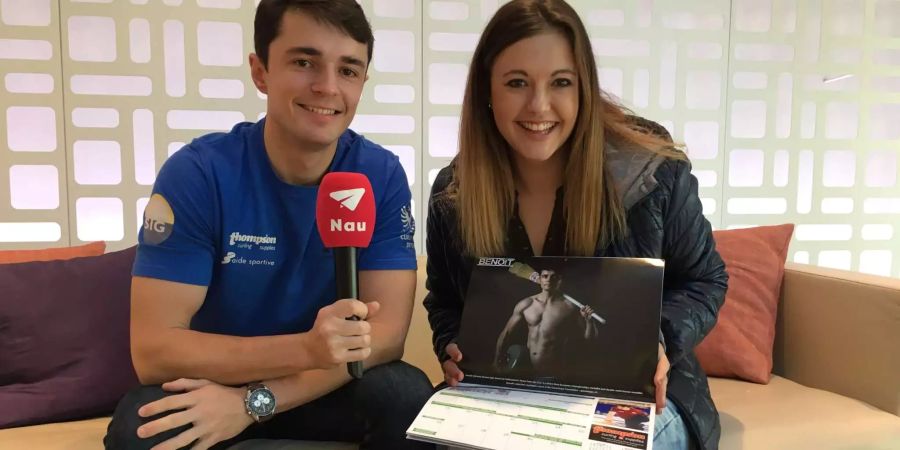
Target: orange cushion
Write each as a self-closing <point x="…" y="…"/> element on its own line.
<point x="740" y="345"/>
<point x="49" y="254"/>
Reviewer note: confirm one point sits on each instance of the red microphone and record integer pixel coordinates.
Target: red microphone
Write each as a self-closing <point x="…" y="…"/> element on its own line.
<point x="345" y="217"/>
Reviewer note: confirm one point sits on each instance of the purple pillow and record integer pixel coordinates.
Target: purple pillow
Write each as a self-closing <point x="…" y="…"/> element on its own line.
<point x="65" y="342"/>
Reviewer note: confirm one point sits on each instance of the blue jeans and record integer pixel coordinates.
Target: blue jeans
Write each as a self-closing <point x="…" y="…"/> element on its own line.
<point x="670" y="432"/>
<point x="374" y="411"/>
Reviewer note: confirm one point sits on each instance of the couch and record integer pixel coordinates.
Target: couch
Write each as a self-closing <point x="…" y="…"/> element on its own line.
<point x="835" y="382"/>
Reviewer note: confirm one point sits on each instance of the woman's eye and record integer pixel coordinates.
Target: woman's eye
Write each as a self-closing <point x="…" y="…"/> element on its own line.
<point x="515" y="83"/>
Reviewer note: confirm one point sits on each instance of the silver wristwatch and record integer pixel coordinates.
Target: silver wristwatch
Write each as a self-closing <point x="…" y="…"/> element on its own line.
<point x="259" y="402"/>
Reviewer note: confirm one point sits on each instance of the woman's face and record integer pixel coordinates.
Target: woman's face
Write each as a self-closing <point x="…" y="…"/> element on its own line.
<point x="534" y="95"/>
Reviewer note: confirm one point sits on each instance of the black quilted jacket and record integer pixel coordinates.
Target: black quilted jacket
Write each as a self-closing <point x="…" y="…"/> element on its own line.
<point x="665" y="220"/>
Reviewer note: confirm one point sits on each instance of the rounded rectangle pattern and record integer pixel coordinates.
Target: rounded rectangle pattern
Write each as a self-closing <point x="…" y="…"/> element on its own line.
<point x="27" y="13"/>
<point x="401" y="56"/>
<point x="29" y="83"/>
<point x="139" y="40"/>
<point x="220" y="44"/>
<point x="397" y="9"/>
<point x="92" y="38"/>
<point x="34" y="187"/>
<point x="395" y="93"/>
<point x="31" y="129"/>
<point x="97" y="162"/>
<point x="30" y="232"/>
<point x="99" y="219"/>
<point x="221" y="88"/>
<point x="450" y="11"/>
<point x="178" y="119"/>
<point x="443" y="136"/>
<point x="379" y="123"/>
<point x="95" y="117"/>
<point x="124" y="85"/>
<point x="26" y="49"/>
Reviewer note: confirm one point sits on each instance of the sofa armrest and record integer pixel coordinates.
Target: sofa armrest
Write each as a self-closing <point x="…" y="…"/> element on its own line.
<point x="840" y="331"/>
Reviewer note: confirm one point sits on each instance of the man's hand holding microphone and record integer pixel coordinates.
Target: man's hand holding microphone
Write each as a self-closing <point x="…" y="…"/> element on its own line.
<point x="345" y="219"/>
<point x="334" y="340"/>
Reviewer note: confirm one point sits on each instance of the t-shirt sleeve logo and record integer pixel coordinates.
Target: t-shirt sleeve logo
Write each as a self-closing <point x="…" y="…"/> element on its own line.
<point x="406" y="217"/>
<point x="158" y="220"/>
<point x="409" y="226"/>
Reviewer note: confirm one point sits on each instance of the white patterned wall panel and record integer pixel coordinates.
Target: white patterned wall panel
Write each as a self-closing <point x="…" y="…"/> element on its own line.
<point x="141" y="78"/>
<point x="33" y="206"/>
<point x="811" y="96"/>
<point x="98" y="93"/>
<point x="667" y="61"/>
<point x="450" y="34"/>
<point x="390" y="112"/>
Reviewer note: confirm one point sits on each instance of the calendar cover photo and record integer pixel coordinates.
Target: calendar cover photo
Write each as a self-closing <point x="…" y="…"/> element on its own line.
<point x="557" y="351"/>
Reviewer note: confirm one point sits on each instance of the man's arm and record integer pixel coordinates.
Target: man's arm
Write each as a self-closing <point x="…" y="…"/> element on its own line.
<point x="394" y="290"/>
<point x="164" y="348"/>
<point x="514" y="322"/>
<point x="591" y="326"/>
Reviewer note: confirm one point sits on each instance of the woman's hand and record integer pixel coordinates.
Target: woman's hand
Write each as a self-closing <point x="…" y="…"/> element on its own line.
<point x="661" y="379"/>
<point x="452" y="374"/>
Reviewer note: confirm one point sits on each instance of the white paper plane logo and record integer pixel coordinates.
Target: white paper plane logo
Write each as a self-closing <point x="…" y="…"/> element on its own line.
<point x="349" y="198"/>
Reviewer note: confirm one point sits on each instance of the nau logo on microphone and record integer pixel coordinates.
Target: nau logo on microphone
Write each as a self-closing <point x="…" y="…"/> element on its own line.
<point x="349" y="199"/>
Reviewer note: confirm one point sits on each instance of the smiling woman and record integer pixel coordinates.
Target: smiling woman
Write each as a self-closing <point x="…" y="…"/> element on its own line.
<point x="534" y="96"/>
<point x="549" y="165"/>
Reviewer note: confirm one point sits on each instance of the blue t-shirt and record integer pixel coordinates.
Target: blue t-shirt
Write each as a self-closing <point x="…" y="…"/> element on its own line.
<point x="220" y="217"/>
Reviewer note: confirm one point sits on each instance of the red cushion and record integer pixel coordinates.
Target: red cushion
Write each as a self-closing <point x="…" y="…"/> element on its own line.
<point x="740" y="345"/>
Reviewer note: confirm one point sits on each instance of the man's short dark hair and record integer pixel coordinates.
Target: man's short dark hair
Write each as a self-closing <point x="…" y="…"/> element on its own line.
<point x="345" y="15"/>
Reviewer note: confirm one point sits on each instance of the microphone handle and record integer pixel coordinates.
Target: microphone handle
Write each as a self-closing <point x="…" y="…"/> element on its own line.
<point x="347" y="280"/>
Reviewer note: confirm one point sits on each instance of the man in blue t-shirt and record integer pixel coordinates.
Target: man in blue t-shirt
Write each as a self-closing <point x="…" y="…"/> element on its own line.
<point x="236" y="332"/>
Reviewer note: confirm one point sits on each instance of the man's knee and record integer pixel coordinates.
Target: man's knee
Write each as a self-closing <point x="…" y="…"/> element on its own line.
<point x="122" y="430"/>
<point x="400" y="388"/>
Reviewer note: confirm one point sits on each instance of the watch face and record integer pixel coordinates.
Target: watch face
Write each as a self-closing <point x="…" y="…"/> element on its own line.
<point x="261" y="402"/>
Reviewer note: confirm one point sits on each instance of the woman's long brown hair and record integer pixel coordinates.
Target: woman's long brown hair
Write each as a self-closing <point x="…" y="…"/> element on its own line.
<point x="483" y="186"/>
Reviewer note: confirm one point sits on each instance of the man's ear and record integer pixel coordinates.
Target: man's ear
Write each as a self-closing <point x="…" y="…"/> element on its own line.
<point x="258" y="73"/>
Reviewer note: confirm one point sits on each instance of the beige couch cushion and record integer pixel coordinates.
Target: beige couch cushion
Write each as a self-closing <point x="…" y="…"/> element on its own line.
<point x="88" y="435"/>
<point x="786" y="415"/>
<point x="80" y="435"/>
<point x="271" y="444"/>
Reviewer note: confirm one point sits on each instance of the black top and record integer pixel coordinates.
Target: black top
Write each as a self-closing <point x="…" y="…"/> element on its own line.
<point x="519" y="246"/>
<point x="665" y="222"/>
